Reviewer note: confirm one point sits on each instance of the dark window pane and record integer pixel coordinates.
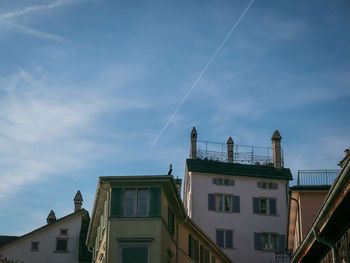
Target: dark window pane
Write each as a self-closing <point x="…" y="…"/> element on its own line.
<point x="61" y="245"/>
<point x="229" y="239"/>
<point x="220" y="237"/>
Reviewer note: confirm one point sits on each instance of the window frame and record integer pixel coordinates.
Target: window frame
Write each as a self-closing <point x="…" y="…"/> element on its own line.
<point x="224" y="238"/>
<point x="59" y="250"/>
<point x="268" y="207"/>
<point x="269" y="235"/>
<point x="221" y="204"/>
<point x="135" y="201"/>
<point x="32" y="248"/>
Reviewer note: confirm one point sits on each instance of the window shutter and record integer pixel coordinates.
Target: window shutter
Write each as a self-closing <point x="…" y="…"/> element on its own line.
<point x="171" y="225"/>
<point x="202" y="254"/>
<point x="214" y="181"/>
<point x="211" y="202"/>
<point x="105" y="212"/>
<point x="232" y="182"/>
<point x="196" y="250"/>
<point x="272" y="205"/>
<point x="154" y="201"/>
<point x="117" y="202"/>
<point x="220" y="238"/>
<point x="235" y="203"/>
<point x="229" y="239"/>
<point x="281" y="243"/>
<point x="190" y="246"/>
<point x="257" y="241"/>
<point x="260" y="184"/>
<point x="256" y="205"/>
<point x="275" y="185"/>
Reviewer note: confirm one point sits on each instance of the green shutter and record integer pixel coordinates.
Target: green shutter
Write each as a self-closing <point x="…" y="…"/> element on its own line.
<point x="196" y="250"/>
<point x="171" y="221"/>
<point x="117" y="202"/>
<point x="190" y="246"/>
<point x="134" y="255"/>
<point x="154" y="193"/>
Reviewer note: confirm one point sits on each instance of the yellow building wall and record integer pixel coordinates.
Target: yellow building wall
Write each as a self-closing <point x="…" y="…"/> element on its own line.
<point x="134" y="228"/>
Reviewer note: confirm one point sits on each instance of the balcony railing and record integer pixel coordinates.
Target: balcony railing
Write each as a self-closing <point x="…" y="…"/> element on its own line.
<point x="317" y="177"/>
<point x="241" y="153"/>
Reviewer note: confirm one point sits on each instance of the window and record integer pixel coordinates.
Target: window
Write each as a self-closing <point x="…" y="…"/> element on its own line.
<point x="134" y="254"/>
<point x="204" y="258"/>
<point x="213" y="259"/>
<point x="34" y="246"/>
<point x="269" y="241"/>
<point x="223" y="203"/>
<point x="224" y="238"/>
<point x="264" y="206"/>
<point x="222" y="181"/>
<point x="135" y="202"/>
<point x="193" y="248"/>
<point x="171" y="221"/>
<point x="267" y="185"/>
<point x="61" y="245"/>
<point x="63" y="232"/>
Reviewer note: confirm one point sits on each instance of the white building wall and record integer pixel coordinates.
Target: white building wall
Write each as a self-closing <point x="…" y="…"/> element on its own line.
<point x="21" y="249"/>
<point x="245" y="223"/>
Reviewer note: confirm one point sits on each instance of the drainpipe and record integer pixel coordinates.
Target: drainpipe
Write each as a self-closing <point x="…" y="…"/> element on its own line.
<point x="107" y="228"/>
<point x="291" y="198"/>
<point x="327" y="243"/>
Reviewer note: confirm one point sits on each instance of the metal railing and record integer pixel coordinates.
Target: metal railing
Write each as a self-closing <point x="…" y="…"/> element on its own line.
<point x="241" y="153"/>
<point x="317" y="177"/>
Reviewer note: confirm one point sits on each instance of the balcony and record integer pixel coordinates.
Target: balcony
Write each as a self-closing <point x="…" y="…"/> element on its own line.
<point x="243" y="154"/>
<point x="316" y="177"/>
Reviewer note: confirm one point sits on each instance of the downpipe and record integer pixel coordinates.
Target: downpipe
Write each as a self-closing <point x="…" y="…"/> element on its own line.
<point x="327" y="243"/>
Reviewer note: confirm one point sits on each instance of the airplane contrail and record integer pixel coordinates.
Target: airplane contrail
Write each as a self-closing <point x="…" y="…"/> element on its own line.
<point x="202" y="72"/>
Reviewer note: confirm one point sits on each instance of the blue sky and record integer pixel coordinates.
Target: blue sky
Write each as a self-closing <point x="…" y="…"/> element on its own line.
<point x="86" y="87"/>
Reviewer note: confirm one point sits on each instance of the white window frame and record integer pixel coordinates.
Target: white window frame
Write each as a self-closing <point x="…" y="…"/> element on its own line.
<point x="233" y="236"/>
<point x="135" y="203"/>
<point x="269" y="234"/>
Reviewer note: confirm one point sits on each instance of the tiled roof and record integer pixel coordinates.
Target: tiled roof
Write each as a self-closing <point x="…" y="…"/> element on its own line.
<point x="236" y="169"/>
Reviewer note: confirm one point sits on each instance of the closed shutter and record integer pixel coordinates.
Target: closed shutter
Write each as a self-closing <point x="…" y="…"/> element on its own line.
<point x="202" y="259"/>
<point x="154" y="201"/>
<point x="272" y="205"/>
<point x="105" y="212"/>
<point x="232" y="182"/>
<point x="220" y="237"/>
<point x="211" y="202"/>
<point x="274" y="186"/>
<point x="281" y="245"/>
<point x="196" y="250"/>
<point x="229" y="239"/>
<point x="135" y="255"/>
<point x="257" y="241"/>
<point x="256" y="205"/>
<point x="117" y="202"/>
<point x="214" y="181"/>
<point x="235" y="203"/>
<point x="171" y="224"/>
<point x="190" y="246"/>
<point x="260" y="185"/>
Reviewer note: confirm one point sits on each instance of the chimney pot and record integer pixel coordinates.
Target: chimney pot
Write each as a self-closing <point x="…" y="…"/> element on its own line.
<point x="78" y="201"/>
<point x="276" y="149"/>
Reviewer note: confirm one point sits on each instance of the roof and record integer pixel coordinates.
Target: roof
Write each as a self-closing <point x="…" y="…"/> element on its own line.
<point x="79" y="212"/>
<point x="331" y="220"/>
<point x="237" y="169"/>
<point x="6" y="239"/>
<point x="311" y="187"/>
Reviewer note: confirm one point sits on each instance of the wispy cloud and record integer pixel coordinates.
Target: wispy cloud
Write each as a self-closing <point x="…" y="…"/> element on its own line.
<point x="7" y="19"/>
<point x="34" y="32"/>
<point x="35" y="8"/>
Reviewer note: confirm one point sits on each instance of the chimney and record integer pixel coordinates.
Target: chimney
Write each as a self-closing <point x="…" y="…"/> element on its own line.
<point x="51" y="217"/>
<point x="230" y="150"/>
<point x="178" y="183"/>
<point x="276" y="149"/>
<point x="193" y="154"/>
<point x="78" y="201"/>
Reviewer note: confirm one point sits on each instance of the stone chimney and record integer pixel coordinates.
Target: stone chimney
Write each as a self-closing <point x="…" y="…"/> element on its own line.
<point x="51" y="217"/>
<point x="276" y="149"/>
<point x="78" y="201"/>
<point x="230" y="150"/>
<point x="178" y="183"/>
<point x="193" y="154"/>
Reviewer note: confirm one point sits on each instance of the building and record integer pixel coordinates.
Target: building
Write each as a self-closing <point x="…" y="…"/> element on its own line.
<point x="142" y="219"/>
<point x="239" y="198"/>
<point x="306" y="199"/>
<point x="60" y="240"/>
<point x="328" y="239"/>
